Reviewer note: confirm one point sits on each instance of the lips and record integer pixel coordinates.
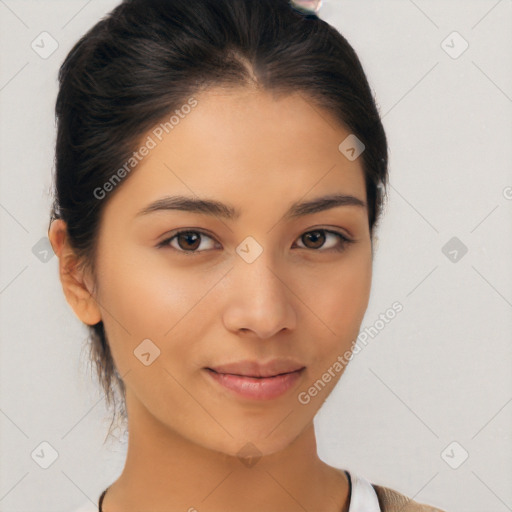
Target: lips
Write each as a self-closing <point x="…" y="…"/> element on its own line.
<point x="257" y="388"/>
<point x="255" y="369"/>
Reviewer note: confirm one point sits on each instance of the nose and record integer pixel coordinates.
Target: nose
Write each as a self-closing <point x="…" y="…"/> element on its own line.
<point x="260" y="299"/>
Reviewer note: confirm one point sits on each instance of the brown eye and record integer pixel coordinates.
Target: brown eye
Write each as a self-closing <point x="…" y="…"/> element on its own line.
<point x="316" y="239"/>
<point x="187" y="241"/>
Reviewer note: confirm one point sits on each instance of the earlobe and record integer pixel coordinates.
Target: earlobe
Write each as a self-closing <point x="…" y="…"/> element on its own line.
<point x="72" y="277"/>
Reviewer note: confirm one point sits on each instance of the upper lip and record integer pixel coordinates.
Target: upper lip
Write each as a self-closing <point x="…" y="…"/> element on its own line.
<point x="248" y="368"/>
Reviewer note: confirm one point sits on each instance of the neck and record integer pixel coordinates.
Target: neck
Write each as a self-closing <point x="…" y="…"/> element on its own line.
<point x="165" y="471"/>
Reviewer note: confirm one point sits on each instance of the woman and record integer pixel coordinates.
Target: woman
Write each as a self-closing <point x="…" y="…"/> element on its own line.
<point x="220" y="171"/>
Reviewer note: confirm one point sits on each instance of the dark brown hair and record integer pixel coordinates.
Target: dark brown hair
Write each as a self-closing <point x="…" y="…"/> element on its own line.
<point x="144" y="59"/>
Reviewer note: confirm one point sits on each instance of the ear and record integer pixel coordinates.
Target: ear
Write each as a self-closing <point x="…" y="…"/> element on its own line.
<point x="76" y="285"/>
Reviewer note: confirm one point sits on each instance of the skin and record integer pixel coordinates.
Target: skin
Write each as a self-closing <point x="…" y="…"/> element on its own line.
<point x="298" y="299"/>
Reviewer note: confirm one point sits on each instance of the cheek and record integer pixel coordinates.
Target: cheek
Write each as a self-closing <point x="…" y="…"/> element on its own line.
<point x="143" y="298"/>
<point x="150" y="297"/>
<point x="339" y="294"/>
<point x="146" y="291"/>
<point x="337" y="299"/>
<point x="339" y="302"/>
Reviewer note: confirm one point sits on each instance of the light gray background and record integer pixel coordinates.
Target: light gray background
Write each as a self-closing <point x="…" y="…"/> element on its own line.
<point x="439" y="372"/>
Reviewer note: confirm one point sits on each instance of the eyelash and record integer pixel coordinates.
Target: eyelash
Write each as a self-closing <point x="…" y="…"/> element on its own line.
<point x="342" y="238"/>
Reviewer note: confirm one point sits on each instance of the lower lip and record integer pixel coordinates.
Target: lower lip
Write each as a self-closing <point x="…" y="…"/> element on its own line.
<point x="259" y="389"/>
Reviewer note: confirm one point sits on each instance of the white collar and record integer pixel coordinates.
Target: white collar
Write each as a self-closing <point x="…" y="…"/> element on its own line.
<point x="364" y="498"/>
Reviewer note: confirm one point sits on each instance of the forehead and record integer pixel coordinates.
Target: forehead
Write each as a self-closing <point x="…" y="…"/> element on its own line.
<point x="248" y="142"/>
<point x="249" y="124"/>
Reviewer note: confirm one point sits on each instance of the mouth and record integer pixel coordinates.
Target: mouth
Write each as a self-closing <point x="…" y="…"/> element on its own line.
<point x="256" y="369"/>
<point x="257" y="387"/>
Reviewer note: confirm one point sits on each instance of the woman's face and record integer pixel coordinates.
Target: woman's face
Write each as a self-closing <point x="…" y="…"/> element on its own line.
<point x="259" y="286"/>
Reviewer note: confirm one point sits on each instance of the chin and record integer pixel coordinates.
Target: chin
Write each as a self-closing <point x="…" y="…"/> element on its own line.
<point x="247" y="447"/>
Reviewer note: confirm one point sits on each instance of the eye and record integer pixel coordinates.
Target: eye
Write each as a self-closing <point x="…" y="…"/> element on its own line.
<point x="318" y="237"/>
<point x="188" y="241"/>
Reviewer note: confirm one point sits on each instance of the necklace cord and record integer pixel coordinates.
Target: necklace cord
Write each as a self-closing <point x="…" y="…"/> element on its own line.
<point x="100" y="502"/>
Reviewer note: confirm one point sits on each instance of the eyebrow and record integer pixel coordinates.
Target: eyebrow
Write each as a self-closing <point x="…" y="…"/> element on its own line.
<point x="226" y="211"/>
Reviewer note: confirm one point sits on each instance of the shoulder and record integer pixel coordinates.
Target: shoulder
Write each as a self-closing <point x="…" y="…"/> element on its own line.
<point x="389" y="500"/>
